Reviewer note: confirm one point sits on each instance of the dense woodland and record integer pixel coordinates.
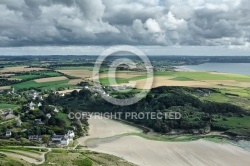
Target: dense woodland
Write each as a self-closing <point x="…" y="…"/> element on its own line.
<point x="197" y="115"/>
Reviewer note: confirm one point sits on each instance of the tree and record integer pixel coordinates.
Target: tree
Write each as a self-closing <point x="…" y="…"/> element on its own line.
<point x="23" y="140"/>
<point x="51" y="132"/>
<point x="85" y="93"/>
<point x="74" y="93"/>
<point x="46" y="139"/>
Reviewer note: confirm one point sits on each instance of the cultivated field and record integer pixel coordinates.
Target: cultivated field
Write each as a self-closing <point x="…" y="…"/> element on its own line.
<point x="4" y="87"/>
<point x="146" y="152"/>
<point x="19" y="69"/>
<point x="75" y="81"/>
<point x="50" y="79"/>
<point x="125" y="74"/>
<point x="78" y="73"/>
<point x="190" y="79"/>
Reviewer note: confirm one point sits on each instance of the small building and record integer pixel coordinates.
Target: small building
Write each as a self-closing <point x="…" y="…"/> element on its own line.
<point x="33" y="95"/>
<point x="38" y="122"/>
<point x="19" y="122"/>
<point x="35" y="138"/>
<point x="32" y="104"/>
<point x="65" y="141"/>
<point x="48" y="116"/>
<point x="8" y="133"/>
<point x="56" y="110"/>
<point x="61" y="139"/>
<point x="57" y="138"/>
<point x="62" y="95"/>
<point x="39" y="104"/>
<point x="71" y="134"/>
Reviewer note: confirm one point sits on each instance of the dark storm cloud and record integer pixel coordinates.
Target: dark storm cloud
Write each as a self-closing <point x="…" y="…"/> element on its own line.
<point x="134" y="22"/>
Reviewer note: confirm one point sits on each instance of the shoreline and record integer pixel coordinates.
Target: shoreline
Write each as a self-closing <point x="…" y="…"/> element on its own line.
<point x="183" y="68"/>
<point x="141" y="151"/>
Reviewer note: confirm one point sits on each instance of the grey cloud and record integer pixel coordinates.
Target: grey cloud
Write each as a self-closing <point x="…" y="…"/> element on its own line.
<point x="134" y="22"/>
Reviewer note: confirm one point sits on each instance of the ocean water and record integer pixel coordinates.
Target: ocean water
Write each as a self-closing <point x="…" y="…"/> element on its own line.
<point x="234" y="68"/>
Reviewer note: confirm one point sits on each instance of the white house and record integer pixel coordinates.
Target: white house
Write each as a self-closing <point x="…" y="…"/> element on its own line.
<point x="65" y="141"/>
<point x="34" y="96"/>
<point x="48" y="116"/>
<point x="56" y="110"/>
<point x="32" y="104"/>
<point x="39" y="104"/>
<point x="8" y="133"/>
<point x="71" y="134"/>
<point x="62" y="139"/>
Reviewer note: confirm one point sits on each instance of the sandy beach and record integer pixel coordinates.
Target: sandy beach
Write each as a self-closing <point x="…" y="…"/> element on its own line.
<point x="145" y="152"/>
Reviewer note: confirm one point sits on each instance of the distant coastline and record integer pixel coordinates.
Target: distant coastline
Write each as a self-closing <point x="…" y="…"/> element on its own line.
<point x="233" y="68"/>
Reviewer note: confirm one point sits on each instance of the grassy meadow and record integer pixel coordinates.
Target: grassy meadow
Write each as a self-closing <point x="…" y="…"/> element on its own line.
<point x="43" y="85"/>
<point x="7" y="106"/>
<point x="36" y="75"/>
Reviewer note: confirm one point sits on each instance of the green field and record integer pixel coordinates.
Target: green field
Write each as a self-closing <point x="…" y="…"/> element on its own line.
<point x="5" y="106"/>
<point x="43" y="86"/>
<point x="235" y="122"/>
<point x="82" y="158"/>
<point x="182" y="79"/>
<point x="11" y="161"/>
<point x="7" y="155"/>
<point x="105" y="80"/>
<point x="28" y="76"/>
<point x="36" y="75"/>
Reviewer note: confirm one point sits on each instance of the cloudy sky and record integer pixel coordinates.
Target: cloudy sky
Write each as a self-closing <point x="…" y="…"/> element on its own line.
<point x="166" y="27"/>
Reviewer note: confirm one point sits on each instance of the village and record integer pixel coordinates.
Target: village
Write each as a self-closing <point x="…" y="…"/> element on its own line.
<point x="37" y="122"/>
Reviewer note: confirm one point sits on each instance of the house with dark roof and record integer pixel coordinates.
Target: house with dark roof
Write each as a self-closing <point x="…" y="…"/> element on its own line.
<point x="61" y="139"/>
<point x="35" y="138"/>
<point x="38" y="121"/>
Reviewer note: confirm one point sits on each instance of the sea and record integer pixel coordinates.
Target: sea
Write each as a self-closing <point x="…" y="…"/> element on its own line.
<point x="234" y="68"/>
